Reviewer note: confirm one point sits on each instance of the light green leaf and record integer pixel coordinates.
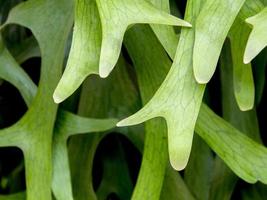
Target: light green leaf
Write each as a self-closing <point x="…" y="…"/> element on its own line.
<point x="250" y="8"/>
<point x="224" y="180"/>
<point x="178" y="99"/>
<point x="257" y="39"/>
<point x="67" y="166"/>
<point x="13" y="73"/>
<point x="247" y="158"/>
<point x="165" y="34"/>
<point x="85" y="49"/>
<point x="120" y="102"/>
<point x="212" y="26"/>
<point x="149" y="59"/>
<point x="33" y="132"/>
<point x="68" y="124"/>
<point x="245" y="121"/>
<point x="116" y="16"/>
<point x="243" y="78"/>
<point x="244" y="89"/>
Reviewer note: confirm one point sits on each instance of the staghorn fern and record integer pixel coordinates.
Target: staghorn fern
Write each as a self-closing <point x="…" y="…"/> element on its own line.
<point x="154" y="62"/>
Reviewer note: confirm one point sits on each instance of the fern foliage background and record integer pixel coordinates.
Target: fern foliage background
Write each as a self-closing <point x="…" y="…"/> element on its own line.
<point x="133" y="99"/>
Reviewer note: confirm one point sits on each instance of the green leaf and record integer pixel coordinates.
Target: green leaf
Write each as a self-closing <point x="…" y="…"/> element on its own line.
<point x="223" y="179"/>
<point x="120" y="102"/>
<point x="86" y="57"/>
<point x="200" y="165"/>
<point x="61" y="155"/>
<point x="174" y="187"/>
<point x="17" y="196"/>
<point x="33" y="132"/>
<point x="116" y="178"/>
<point x="250" y="8"/>
<point x="245" y="121"/>
<point x="116" y="16"/>
<point x="149" y="59"/>
<point x="13" y="73"/>
<point x="85" y="49"/>
<point x="28" y="48"/>
<point x="68" y="124"/>
<point x="260" y="80"/>
<point x="244" y="156"/>
<point x="212" y="26"/>
<point x="257" y="39"/>
<point x="81" y="154"/>
<point x="178" y="99"/>
<point x="244" y="89"/>
<point x="165" y="34"/>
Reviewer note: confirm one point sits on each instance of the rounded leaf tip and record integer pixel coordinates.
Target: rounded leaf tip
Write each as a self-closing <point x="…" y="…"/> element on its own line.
<point x="57" y="99"/>
<point x="104" y="71"/>
<point x="178" y="166"/>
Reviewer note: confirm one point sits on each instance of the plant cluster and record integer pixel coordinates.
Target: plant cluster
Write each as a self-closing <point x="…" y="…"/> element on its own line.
<point x="190" y="75"/>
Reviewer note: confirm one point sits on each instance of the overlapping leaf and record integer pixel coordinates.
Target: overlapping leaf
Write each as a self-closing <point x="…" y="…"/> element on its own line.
<point x="223" y="179"/>
<point x="212" y="26"/>
<point x="68" y="124"/>
<point x="154" y="162"/>
<point x="33" y="133"/>
<point x="116" y="16"/>
<point x="119" y="103"/>
<point x="242" y="73"/>
<point x="244" y="156"/>
<point x="85" y="49"/>
<point x="165" y="34"/>
<point x="178" y="98"/>
<point x="257" y="39"/>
